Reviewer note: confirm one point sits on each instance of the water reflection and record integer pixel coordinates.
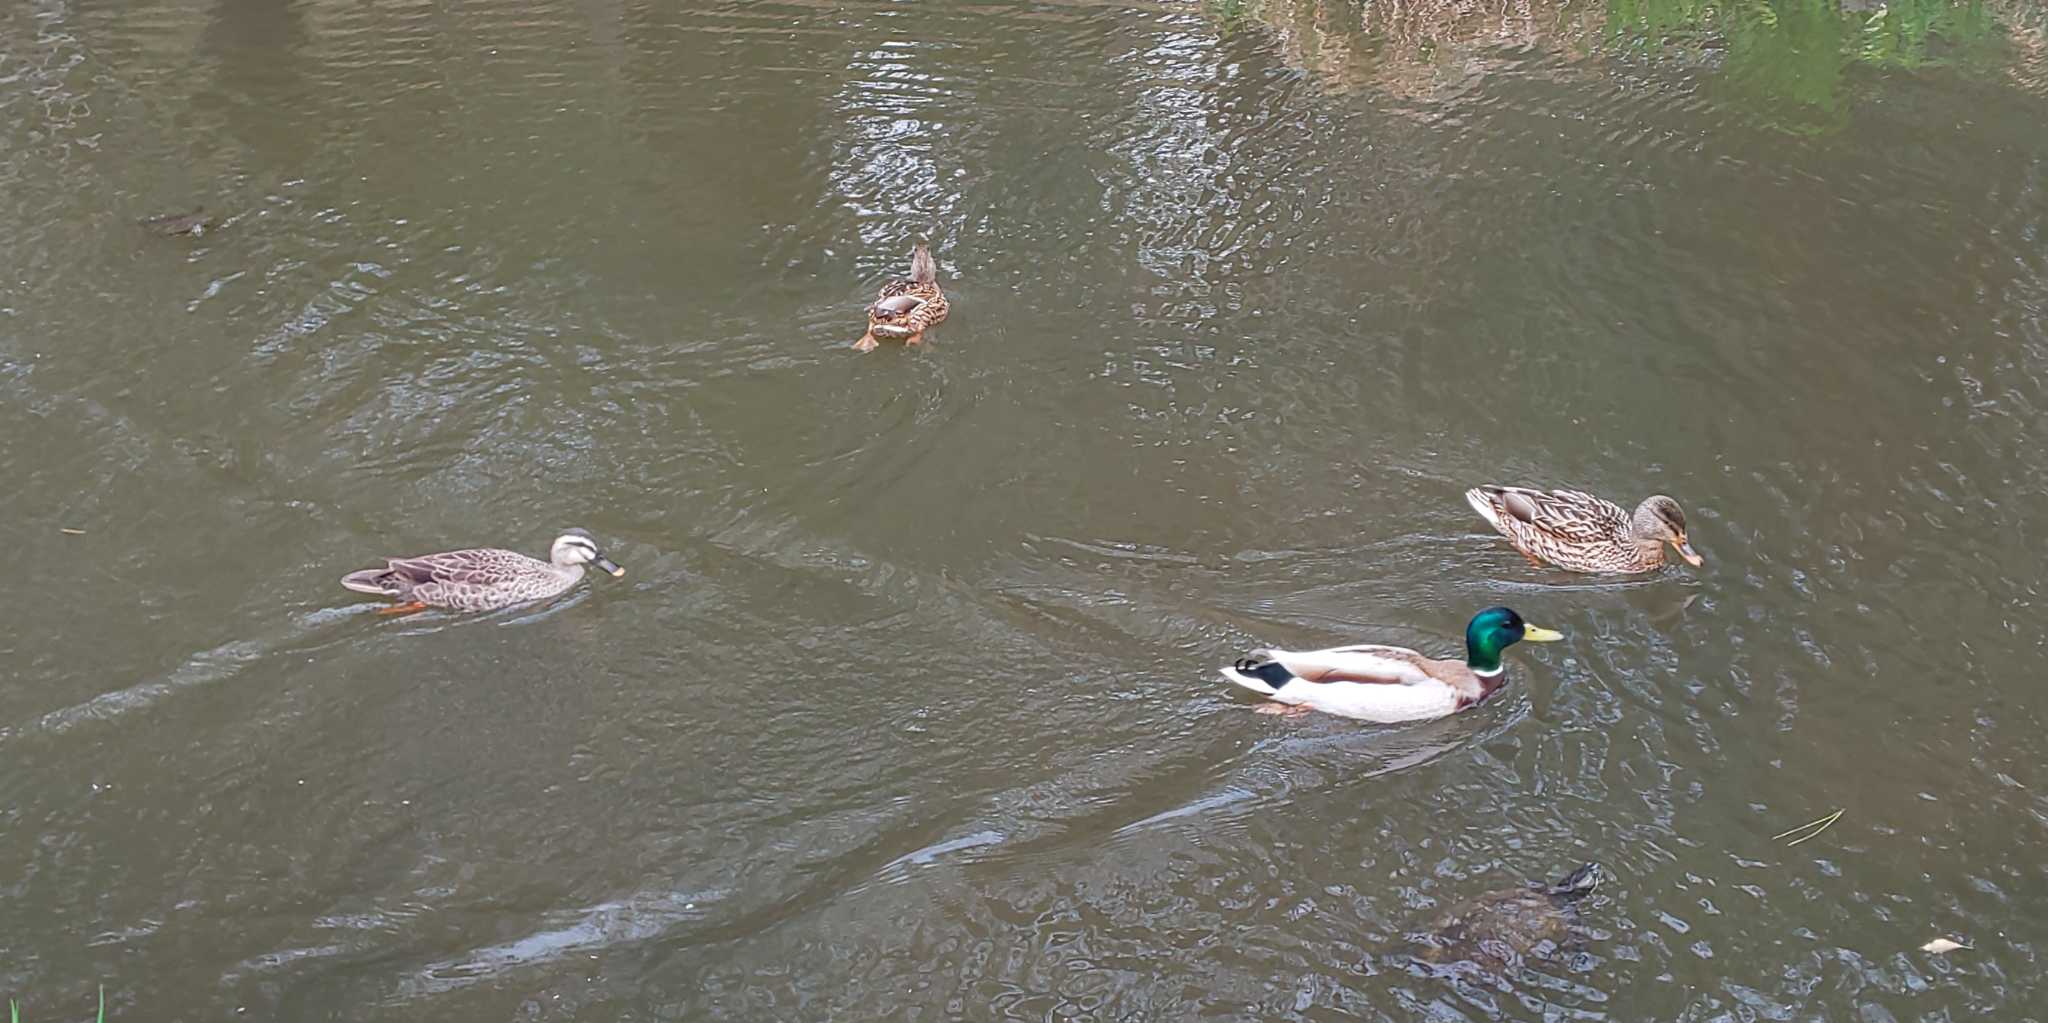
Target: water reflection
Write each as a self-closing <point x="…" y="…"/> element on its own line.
<point x="912" y="710"/>
<point x="1799" y="65"/>
<point x="1793" y="65"/>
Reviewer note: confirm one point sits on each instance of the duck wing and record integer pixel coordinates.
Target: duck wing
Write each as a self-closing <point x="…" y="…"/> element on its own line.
<point x="401" y="577"/>
<point x="894" y="289"/>
<point x="1375" y="665"/>
<point x="1386" y="684"/>
<point x="895" y="305"/>
<point x="481" y="566"/>
<point x="1567" y="516"/>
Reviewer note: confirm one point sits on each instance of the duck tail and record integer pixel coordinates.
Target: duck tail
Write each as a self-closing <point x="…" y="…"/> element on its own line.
<point x="370" y="580"/>
<point x="1259" y="673"/>
<point x="1481" y="499"/>
<point x="922" y="269"/>
<point x="1577" y="884"/>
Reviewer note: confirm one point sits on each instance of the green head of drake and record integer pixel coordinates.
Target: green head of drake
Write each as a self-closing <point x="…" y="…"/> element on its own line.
<point x="1494" y="630"/>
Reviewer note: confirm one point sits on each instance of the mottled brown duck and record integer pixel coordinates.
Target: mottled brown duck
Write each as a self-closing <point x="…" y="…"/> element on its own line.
<point x="481" y="578"/>
<point x="906" y="308"/>
<point x="1577" y="531"/>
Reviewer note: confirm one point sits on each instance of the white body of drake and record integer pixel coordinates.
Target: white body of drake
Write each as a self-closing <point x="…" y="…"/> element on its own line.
<point x="1386" y="684"/>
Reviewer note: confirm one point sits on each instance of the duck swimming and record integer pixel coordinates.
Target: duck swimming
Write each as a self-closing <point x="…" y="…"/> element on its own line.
<point x="906" y="308"/>
<point x="1390" y="684"/>
<point x="1583" y="533"/>
<point x="481" y="578"/>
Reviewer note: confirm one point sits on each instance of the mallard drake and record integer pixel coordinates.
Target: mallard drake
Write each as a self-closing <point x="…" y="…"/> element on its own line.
<point x="1390" y="684"/>
<point x="481" y="578"/>
<point x="1584" y="533"/>
<point x="905" y="309"/>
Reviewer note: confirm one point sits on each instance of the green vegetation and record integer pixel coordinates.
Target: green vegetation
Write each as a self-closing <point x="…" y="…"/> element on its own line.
<point x="1792" y="65"/>
<point x="1799" y="63"/>
<point x="14" y="1011"/>
<point x="1232" y="15"/>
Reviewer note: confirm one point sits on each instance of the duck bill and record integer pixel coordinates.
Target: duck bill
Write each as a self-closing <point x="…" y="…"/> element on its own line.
<point x="609" y="566"/>
<point x="1692" y="557"/>
<point x="1538" y="634"/>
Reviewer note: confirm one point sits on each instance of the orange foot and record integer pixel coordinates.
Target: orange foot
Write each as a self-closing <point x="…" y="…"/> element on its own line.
<point x="1291" y="710"/>
<point x="915" y="339"/>
<point x="866" y="342"/>
<point x="402" y="609"/>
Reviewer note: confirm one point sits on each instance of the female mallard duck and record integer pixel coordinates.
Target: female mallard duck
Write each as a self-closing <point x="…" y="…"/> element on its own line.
<point x="481" y="578"/>
<point x="1390" y="684"/>
<point x="906" y="308"/>
<point x="1583" y="533"/>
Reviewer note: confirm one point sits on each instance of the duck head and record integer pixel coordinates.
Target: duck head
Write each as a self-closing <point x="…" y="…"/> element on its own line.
<point x="1494" y="630"/>
<point x="578" y="547"/>
<point x="1658" y="521"/>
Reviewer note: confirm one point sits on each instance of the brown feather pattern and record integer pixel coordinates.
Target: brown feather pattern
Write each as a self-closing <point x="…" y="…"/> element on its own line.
<point x="477" y="579"/>
<point x="1568" y="528"/>
<point x="886" y="319"/>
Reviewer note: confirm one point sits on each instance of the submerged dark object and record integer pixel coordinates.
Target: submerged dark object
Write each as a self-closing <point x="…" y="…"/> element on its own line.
<point x="1499" y="929"/>
<point x="193" y="223"/>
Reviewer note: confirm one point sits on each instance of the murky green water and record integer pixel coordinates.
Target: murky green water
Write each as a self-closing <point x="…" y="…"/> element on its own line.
<point x="906" y="706"/>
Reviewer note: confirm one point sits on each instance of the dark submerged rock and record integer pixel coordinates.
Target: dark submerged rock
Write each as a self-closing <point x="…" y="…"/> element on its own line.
<point x="1498" y="930"/>
<point x="193" y="223"/>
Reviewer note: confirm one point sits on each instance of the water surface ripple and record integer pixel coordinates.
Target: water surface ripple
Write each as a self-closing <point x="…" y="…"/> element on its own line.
<point x="905" y="708"/>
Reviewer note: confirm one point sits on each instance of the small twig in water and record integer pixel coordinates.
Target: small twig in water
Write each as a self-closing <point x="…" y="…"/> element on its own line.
<point x="1818" y="826"/>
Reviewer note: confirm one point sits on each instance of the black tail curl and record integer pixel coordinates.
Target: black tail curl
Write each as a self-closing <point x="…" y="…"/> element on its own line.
<point x="1269" y="672"/>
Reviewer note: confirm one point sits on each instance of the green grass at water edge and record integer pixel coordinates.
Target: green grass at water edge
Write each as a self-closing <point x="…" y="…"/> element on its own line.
<point x="14" y="1011"/>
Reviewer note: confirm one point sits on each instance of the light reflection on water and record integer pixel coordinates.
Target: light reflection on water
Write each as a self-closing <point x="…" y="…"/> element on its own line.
<point x="906" y="705"/>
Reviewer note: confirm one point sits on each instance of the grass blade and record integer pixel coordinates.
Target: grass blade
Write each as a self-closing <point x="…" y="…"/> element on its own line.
<point x="1818" y="826"/>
